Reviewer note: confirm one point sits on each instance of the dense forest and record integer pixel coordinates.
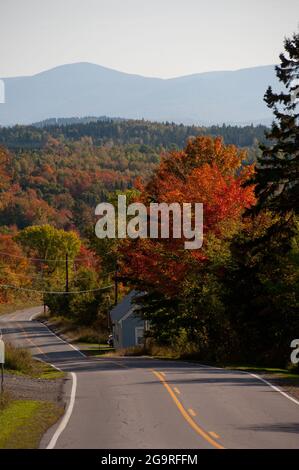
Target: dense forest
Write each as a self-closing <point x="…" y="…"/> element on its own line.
<point x="63" y="182"/>
<point x="59" y="173"/>
<point x="124" y="132"/>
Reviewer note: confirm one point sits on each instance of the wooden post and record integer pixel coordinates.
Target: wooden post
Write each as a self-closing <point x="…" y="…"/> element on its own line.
<point x="116" y="284"/>
<point x="66" y="272"/>
<point x="2" y="360"/>
<point x="2" y="378"/>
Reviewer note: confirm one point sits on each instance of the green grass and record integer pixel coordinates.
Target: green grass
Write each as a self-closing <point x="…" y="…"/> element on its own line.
<point x="39" y="370"/>
<point x="24" y="422"/>
<point x="45" y="371"/>
<point x="95" y="349"/>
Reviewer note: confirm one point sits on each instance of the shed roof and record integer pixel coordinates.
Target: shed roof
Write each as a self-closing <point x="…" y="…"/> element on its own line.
<point x="121" y="309"/>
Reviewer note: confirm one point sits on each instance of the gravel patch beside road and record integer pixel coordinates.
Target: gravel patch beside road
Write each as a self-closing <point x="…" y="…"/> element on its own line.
<point x="35" y="389"/>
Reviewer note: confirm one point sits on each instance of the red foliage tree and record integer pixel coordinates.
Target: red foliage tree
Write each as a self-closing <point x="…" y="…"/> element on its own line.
<point x="205" y="172"/>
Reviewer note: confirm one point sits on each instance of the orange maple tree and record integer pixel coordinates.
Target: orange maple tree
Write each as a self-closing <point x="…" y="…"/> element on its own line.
<point x="207" y="172"/>
<point x="15" y="269"/>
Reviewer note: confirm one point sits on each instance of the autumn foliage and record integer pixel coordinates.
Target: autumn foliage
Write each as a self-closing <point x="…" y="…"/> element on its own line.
<point x="15" y="269"/>
<point x="208" y="172"/>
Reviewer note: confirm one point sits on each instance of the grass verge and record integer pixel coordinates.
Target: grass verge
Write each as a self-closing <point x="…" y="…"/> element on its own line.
<point x="284" y="373"/>
<point x="24" y="422"/>
<point x="72" y="331"/>
<point x="95" y="349"/>
<point x="19" y="361"/>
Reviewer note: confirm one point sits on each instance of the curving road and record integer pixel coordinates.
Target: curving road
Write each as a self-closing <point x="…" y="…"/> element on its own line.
<point x="145" y="403"/>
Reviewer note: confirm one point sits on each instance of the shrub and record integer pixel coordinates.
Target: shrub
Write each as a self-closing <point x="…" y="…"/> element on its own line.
<point x="18" y="359"/>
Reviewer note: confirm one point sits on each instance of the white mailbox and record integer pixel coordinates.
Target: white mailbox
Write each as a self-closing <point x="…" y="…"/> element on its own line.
<point x="2" y="352"/>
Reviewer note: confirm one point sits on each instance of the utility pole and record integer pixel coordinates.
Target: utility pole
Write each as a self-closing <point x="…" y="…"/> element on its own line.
<point x="66" y="272"/>
<point x="2" y="360"/>
<point x="116" y="284"/>
<point x="44" y="301"/>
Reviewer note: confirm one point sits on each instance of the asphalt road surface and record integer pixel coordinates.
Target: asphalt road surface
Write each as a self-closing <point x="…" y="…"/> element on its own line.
<point x="119" y="403"/>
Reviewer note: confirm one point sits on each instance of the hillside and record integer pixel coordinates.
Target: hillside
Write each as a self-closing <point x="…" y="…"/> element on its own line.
<point x="58" y="173"/>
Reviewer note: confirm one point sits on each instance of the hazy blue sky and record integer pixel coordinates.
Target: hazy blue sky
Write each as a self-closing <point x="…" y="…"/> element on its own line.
<point x="162" y="38"/>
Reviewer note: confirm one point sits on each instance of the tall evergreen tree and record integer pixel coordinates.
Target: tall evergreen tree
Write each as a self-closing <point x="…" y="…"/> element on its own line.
<point x="262" y="282"/>
<point x="277" y="173"/>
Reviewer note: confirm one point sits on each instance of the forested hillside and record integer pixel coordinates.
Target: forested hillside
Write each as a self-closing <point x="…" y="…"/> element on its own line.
<point x="123" y="132"/>
<point x="64" y="181"/>
<point x="59" y="173"/>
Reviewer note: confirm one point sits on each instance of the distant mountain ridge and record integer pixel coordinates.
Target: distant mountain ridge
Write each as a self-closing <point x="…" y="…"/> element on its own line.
<point x="84" y="89"/>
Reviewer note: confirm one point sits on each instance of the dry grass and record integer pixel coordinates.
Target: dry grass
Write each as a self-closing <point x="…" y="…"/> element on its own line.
<point x="5" y="399"/>
<point x="156" y="351"/>
<point x="19" y="361"/>
<point x="73" y="332"/>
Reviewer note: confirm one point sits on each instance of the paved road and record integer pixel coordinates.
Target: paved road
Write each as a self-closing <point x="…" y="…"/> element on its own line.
<point x="145" y="403"/>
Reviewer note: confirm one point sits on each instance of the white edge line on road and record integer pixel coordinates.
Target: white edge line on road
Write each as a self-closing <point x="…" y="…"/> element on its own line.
<point x="274" y="387"/>
<point x="66" y="342"/>
<point x="49" y="363"/>
<point x="34" y="315"/>
<point x="67" y="415"/>
<point x="256" y="376"/>
<point x="64" y="422"/>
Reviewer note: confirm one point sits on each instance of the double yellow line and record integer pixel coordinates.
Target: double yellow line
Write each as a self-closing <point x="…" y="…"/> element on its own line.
<point x="185" y="413"/>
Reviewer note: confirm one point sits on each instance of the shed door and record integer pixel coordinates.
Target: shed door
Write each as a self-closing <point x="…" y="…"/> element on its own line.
<point x="139" y="334"/>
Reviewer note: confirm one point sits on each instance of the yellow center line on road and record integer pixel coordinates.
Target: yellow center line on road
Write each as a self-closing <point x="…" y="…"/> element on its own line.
<point x="176" y="390"/>
<point x="192" y="412"/>
<point x="186" y="415"/>
<point x="30" y="341"/>
<point x="213" y="434"/>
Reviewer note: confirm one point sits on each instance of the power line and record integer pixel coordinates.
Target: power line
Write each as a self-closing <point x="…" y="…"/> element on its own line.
<point x="5" y="253"/>
<point x="41" y="277"/>
<point x="28" y="258"/>
<point x="57" y="292"/>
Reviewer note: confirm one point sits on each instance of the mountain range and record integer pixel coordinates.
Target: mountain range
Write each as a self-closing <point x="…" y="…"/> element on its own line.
<point x="85" y="89"/>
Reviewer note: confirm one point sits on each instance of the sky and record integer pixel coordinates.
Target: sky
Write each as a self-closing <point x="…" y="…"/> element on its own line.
<point x="157" y="38"/>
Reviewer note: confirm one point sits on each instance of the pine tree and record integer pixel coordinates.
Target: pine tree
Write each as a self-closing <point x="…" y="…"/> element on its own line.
<point x="262" y="281"/>
<point x="277" y="172"/>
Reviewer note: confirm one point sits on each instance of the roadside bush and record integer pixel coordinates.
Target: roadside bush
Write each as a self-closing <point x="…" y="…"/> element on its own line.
<point x="86" y="335"/>
<point x="18" y="359"/>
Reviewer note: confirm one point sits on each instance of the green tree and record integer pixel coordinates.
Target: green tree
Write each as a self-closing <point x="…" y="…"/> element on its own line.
<point x="277" y="170"/>
<point x="48" y="248"/>
<point x="49" y="244"/>
<point x="263" y="277"/>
